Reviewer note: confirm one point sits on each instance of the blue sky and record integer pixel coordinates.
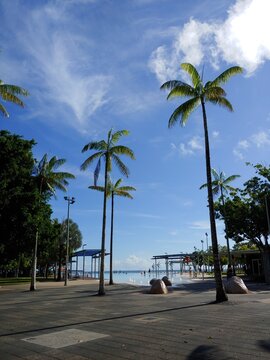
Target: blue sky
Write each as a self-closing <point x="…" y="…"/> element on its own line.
<point x="90" y="65"/>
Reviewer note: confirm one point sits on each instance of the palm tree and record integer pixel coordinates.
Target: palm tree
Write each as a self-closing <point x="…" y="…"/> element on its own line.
<point x="220" y="184"/>
<point x="198" y="94"/>
<point x="114" y="190"/>
<point x="109" y="152"/>
<point x="47" y="180"/>
<point x="9" y="93"/>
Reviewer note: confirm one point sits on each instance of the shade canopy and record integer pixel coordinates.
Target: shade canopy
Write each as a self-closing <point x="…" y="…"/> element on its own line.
<point x="87" y="252"/>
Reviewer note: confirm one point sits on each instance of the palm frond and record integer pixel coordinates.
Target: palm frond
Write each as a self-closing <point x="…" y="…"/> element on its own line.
<point x="231" y="178"/>
<point x="118" y="182"/>
<point x="182" y="90"/>
<point x="117" y="135"/>
<point x="3" y="111"/>
<point x="90" y="159"/>
<point x="183" y="111"/>
<point x="214" y="92"/>
<point x="193" y="73"/>
<point x="12" y="89"/>
<point x="95" y="187"/>
<point x="95" y="145"/>
<point x="168" y="85"/>
<point x="12" y="98"/>
<point x="226" y="75"/>
<point x="120" y="165"/>
<point x="122" y="150"/>
<point x="120" y="192"/>
<point x="97" y="171"/>
<point x="222" y="101"/>
<point x="215" y="174"/>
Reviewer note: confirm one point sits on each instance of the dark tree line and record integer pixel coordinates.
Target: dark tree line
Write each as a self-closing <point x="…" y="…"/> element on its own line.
<point x="23" y="210"/>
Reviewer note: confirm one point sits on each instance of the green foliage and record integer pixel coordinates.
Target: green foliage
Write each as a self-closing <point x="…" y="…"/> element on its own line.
<point x="246" y="212"/>
<point x="10" y="93"/>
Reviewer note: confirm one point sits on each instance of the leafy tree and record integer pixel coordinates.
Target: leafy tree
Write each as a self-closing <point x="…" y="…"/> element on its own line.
<point x="246" y="216"/>
<point x="19" y="199"/>
<point x="114" y="189"/>
<point x="47" y="180"/>
<point x="220" y="185"/>
<point x="75" y="242"/>
<point x="109" y="152"/>
<point x="198" y="94"/>
<point x="10" y="93"/>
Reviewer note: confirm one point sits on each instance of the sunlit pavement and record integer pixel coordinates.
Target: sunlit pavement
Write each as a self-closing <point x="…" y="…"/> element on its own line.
<point x="71" y="322"/>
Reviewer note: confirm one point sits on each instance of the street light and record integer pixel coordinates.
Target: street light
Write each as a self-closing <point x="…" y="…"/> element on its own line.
<point x="70" y="200"/>
<point x="206" y="237"/>
<point x="83" y="258"/>
<point x="202" y="261"/>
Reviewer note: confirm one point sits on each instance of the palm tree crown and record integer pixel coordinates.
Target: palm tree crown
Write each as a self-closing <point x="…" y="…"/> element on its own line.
<point x="108" y="150"/>
<point x="48" y="179"/>
<point x="198" y="92"/>
<point x="9" y="93"/>
<point x="220" y="184"/>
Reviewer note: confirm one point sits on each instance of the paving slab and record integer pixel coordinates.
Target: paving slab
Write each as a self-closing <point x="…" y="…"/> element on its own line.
<point x="72" y="322"/>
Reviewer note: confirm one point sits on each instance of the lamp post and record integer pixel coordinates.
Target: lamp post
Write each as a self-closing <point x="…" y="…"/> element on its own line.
<point x="202" y="261"/>
<point x="83" y="258"/>
<point x="70" y="200"/>
<point x="206" y="237"/>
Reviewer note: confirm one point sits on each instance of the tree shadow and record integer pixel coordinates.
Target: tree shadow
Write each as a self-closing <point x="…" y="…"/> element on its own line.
<point x="265" y="344"/>
<point x="206" y="352"/>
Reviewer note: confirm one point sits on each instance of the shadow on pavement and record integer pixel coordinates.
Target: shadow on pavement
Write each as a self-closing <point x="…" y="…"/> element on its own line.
<point x="206" y="352"/>
<point x="103" y="319"/>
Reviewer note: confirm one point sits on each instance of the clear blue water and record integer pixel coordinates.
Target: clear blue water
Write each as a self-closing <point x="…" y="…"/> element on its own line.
<point x="141" y="278"/>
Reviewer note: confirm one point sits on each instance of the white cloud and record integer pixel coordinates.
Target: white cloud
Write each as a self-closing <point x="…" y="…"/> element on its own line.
<point x="133" y="262"/>
<point x="215" y="134"/>
<point x="242" y="39"/>
<point x="259" y="139"/>
<point x="194" y="145"/>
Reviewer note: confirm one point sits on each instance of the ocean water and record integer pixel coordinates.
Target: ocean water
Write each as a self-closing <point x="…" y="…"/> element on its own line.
<point x="140" y="277"/>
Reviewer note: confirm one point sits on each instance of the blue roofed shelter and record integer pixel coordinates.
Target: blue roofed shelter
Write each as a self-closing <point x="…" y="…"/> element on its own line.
<point x="94" y="254"/>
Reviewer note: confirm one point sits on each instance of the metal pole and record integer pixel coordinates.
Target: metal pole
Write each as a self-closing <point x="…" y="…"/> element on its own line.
<point x="70" y="201"/>
<point x="83" y="259"/>
<point x="206" y="236"/>
<point x="202" y="261"/>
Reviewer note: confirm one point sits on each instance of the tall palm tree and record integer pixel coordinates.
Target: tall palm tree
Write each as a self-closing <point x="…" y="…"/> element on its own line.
<point x="198" y="94"/>
<point x="47" y="179"/>
<point x="109" y="152"/>
<point x="220" y="185"/>
<point x="114" y="189"/>
<point x="10" y="93"/>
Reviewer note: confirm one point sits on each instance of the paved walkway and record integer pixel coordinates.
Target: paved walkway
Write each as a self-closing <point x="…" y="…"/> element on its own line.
<point x="57" y="322"/>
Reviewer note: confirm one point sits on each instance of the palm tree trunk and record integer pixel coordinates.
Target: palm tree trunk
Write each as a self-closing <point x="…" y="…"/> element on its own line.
<point x="111" y="242"/>
<point x="101" y="290"/>
<point x="220" y="291"/>
<point x="33" y="285"/>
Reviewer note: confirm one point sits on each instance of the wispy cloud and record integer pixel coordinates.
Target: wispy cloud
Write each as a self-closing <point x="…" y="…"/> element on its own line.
<point x="200" y="225"/>
<point x="197" y="41"/>
<point x="58" y="64"/>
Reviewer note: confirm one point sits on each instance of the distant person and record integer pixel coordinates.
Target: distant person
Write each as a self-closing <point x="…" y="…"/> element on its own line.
<point x="229" y="272"/>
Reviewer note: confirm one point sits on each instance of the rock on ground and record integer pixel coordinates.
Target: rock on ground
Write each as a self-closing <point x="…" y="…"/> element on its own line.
<point x="235" y="285"/>
<point x="158" y="287"/>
